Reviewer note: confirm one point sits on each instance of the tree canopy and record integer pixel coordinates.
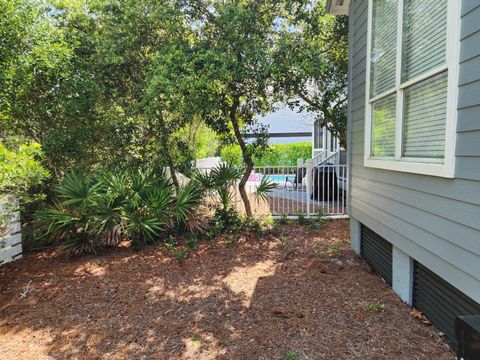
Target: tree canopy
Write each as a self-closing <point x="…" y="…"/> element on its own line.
<point x="312" y="57"/>
<point x="233" y="58"/>
<point x="120" y="84"/>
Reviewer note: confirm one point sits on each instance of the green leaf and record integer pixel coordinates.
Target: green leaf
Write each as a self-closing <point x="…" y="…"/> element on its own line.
<point x="264" y="188"/>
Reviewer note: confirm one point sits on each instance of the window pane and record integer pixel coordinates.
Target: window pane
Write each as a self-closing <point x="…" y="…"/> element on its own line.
<point x="317" y="136"/>
<point x="384" y="46"/>
<point x="425" y="36"/>
<point x="425" y="118"/>
<point x="383" y="127"/>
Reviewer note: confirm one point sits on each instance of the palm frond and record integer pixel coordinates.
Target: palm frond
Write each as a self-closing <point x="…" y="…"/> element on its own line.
<point x="57" y="222"/>
<point x="117" y="185"/>
<point x="226" y="196"/>
<point x="77" y="190"/>
<point x="196" y="223"/>
<point x="143" y="227"/>
<point x="108" y="220"/>
<point x="188" y="199"/>
<point x="226" y="174"/>
<point x="264" y="188"/>
<point x="79" y="245"/>
<point x="204" y="179"/>
<point x="159" y="200"/>
<point x="140" y="181"/>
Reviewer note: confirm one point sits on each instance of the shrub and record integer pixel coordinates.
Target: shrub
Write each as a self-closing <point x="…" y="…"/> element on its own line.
<point x="232" y="154"/>
<point x="75" y="219"/>
<point x="221" y="182"/>
<point x="20" y="167"/>
<point x="292" y="356"/>
<point x="277" y="154"/>
<point x="302" y="218"/>
<point x="252" y="225"/>
<point x="20" y="170"/>
<point x="226" y="220"/>
<point x="90" y="212"/>
<point x="283" y="219"/>
<point x="316" y="222"/>
<point x="170" y="243"/>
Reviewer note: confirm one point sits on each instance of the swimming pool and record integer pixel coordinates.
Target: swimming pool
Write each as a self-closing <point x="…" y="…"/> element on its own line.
<point x="279" y="178"/>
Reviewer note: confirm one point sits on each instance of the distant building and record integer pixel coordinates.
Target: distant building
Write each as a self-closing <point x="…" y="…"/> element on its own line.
<point x="288" y="126"/>
<point x="286" y="120"/>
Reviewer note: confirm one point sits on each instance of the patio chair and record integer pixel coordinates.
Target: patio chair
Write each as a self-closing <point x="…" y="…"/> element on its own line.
<point x="297" y="179"/>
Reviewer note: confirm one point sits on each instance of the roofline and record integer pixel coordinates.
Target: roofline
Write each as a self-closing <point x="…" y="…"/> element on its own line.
<point x="282" y="135"/>
<point x="338" y="7"/>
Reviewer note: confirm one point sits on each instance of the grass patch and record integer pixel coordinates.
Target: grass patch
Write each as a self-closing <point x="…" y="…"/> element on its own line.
<point x="313" y="223"/>
<point x="290" y="355"/>
<point x="181" y="254"/>
<point x="192" y="242"/>
<point x="283" y="240"/>
<point x="197" y="341"/>
<point x="171" y="243"/>
<point x="374" y="307"/>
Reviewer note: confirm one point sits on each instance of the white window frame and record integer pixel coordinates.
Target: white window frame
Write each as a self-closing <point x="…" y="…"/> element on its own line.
<point x="435" y="167"/>
<point x="324" y="139"/>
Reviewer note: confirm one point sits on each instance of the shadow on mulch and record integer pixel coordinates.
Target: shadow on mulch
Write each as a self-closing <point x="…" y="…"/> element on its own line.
<point x="298" y="291"/>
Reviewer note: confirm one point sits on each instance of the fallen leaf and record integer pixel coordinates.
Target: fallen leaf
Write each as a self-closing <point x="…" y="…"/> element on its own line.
<point x="417" y="314"/>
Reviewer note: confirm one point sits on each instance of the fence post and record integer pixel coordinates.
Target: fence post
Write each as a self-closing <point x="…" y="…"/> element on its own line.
<point x="309" y="178"/>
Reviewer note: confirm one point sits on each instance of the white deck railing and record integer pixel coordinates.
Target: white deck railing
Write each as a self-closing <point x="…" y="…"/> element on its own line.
<point x="304" y="190"/>
<point x="320" y="157"/>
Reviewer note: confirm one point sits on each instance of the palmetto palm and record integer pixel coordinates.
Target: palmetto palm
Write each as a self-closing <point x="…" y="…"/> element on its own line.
<point x="90" y="213"/>
<point x="264" y="188"/>
<point x="221" y="182"/>
<point x="223" y="179"/>
<point x="72" y="220"/>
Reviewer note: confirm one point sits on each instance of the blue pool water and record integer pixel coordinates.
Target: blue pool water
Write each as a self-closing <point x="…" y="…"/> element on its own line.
<point x="279" y="178"/>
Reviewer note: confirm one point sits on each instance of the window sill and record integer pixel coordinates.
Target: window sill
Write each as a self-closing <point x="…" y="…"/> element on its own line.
<point x="431" y="167"/>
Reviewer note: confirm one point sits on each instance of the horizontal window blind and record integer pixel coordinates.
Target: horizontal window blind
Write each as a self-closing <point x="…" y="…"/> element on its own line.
<point x="384" y="46"/>
<point x="317" y="136"/>
<point x="383" y="127"/>
<point x="425" y="36"/>
<point x="425" y="114"/>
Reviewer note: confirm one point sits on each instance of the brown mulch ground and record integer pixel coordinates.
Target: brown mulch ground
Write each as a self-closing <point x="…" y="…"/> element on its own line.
<point x="298" y="294"/>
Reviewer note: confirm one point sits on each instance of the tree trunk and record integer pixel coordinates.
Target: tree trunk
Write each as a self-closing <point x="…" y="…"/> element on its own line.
<point x="343" y="140"/>
<point x="247" y="159"/>
<point x="166" y="151"/>
<point x="243" y="192"/>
